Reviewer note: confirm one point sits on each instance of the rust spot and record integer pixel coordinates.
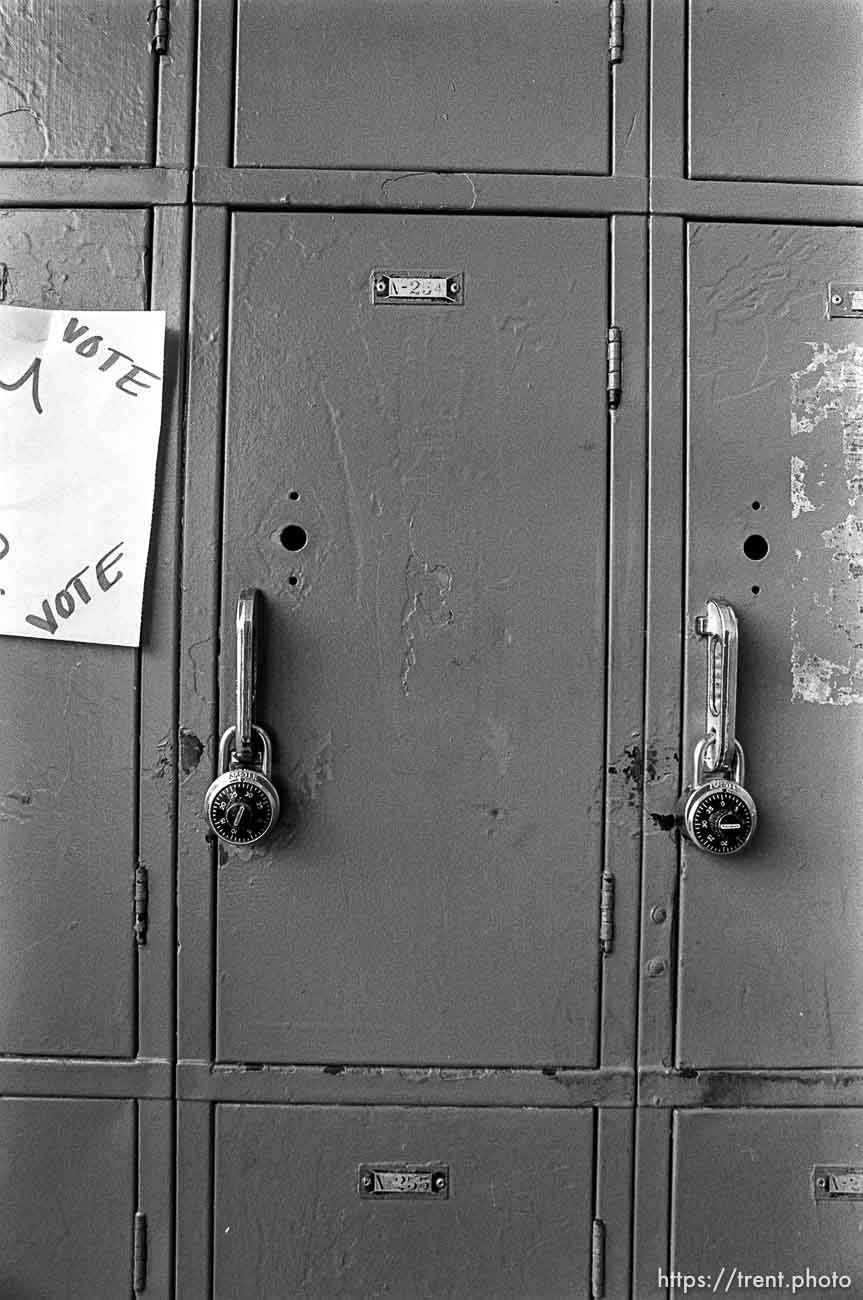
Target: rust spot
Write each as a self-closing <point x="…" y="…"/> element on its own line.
<point x="191" y="751"/>
<point x="20" y="798"/>
<point x="630" y="767"/>
<point x="664" y="821"/>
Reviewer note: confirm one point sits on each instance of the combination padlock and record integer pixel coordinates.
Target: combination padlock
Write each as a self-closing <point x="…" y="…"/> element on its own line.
<point x="717" y="813"/>
<point x="242" y="804"/>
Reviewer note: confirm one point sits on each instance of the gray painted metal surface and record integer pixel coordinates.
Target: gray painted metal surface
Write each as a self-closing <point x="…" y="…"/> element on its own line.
<point x="775" y="90"/>
<point x="523" y="86"/>
<point x="759" y="1012"/>
<point x="67" y="1197"/>
<point x="743" y="1199"/>
<point x="289" y="1220"/>
<point x="775" y="426"/>
<point x="441" y="839"/>
<point x="50" y="51"/>
<point x="69" y="789"/>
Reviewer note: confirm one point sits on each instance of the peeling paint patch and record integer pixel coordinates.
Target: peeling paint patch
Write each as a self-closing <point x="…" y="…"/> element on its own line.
<point x="845" y="540"/>
<point x="800" y="503"/>
<point x="819" y="681"/>
<point x="309" y="773"/>
<point x="629" y="766"/>
<point x="191" y="751"/>
<point x="830" y="388"/>
<point x="826" y="628"/>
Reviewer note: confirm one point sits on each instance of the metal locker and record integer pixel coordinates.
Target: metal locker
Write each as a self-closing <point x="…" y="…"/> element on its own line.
<point x="750" y="973"/>
<point x="69" y="788"/>
<point x="422" y="493"/>
<point x="775" y="379"/>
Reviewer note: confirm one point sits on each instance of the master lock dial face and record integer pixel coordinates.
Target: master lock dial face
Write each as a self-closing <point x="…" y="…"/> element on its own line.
<point x="243" y="809"/>
<point x="721" y="818"/>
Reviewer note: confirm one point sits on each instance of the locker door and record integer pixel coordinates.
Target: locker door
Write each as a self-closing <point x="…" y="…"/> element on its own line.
<point x="775" y="90"/>
<point x="52" y="50"/>
<point x="518" y="85"/>
<point x="420" y="493"/>
<point x="68" y="1196"/>
<point x="290" y="1221"/>
<point x="67" y="814"/>
<point x="770" y="972"/>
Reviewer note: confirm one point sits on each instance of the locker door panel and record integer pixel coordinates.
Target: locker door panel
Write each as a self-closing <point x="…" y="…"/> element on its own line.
<point x="488" y="86"/>
<point x="68" y="775"/>
<point x="434" y="650"/>
<point x="68" y="1197"/>
<point x="770" y="969"/>
<point x="745" y="1203"/>
<point x="52" y="51"/>
<point x="775" y="90"/>
<point x="290" y="1219"/>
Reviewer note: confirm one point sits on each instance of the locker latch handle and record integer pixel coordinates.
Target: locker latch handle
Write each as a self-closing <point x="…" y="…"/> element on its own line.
<point x="717" y="813"/>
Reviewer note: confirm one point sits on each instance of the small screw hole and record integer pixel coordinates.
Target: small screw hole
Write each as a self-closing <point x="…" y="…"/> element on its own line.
<point x="293" y="580"/>
<point x="293" y="496"/>
<point x="756" y="505"/>
<point x="755" y="591"/>
<point x="293" y="537"/>
<point x="755" y="547"/>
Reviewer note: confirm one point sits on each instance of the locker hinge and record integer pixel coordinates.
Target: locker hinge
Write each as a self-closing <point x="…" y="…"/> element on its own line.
<point x="160" y="20"/>
<point x="615" y="31"/>
<point x="614" y="378"/>
<point x="142" y="898"/>
<point x="139" y="1266"/>
<point x="597" y="1260"/>
<point x="606" y="914"/>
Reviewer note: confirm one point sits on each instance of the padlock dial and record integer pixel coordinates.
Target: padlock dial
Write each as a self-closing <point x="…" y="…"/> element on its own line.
<point x="244" y="809"/>
<point x="720" y="817"/>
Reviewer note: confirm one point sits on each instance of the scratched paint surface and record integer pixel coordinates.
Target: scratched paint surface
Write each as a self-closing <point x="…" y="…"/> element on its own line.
<point x="49" y="50"/>
<point x="435" y="652"/>
<point x="826" y="627"/>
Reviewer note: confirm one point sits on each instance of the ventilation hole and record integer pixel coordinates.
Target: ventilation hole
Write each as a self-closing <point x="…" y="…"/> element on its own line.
<point x="293" y="496"/>
<point x="756" y="505"/>
<point x="755" y="547"/>
<point x="293" y="537"/>
<point x="293" y="580"/>
<point x="755" y="590"/>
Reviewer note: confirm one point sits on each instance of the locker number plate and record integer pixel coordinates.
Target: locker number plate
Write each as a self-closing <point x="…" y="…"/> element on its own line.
<point x="418" y="288"/>
<point x="844" y="300"/>
<point x="837" y="1183"/>
<point x="430" y="1181"/>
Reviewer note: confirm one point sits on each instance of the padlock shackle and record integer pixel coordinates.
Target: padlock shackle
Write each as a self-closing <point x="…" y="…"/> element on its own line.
<point x="230" y="756"/>
<point x="704" y="770"/>
<point x="247" y="670"/>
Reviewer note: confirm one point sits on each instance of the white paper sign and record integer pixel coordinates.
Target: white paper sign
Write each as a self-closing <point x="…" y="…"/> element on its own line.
<point x="80" y="414"/>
